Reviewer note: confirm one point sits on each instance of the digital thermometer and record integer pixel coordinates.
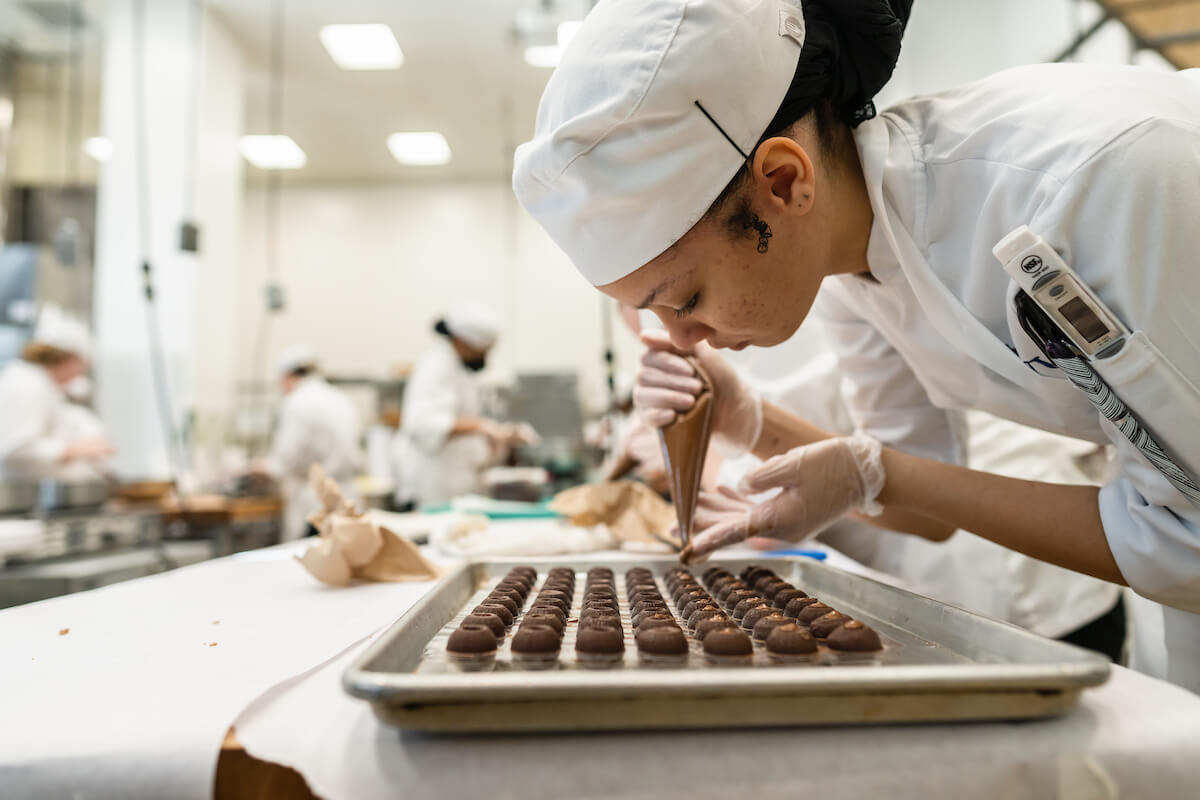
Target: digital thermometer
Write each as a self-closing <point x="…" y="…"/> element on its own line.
<point x="1053" y="285"/>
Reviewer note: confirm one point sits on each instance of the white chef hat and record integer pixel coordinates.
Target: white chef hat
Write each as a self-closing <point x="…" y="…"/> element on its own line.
<point x="473" y="323"/>
<point x="64" y="331"/>
<point x="657" y="104"/>
<point x="623" y="161"/>
<point x="294" y="357"/>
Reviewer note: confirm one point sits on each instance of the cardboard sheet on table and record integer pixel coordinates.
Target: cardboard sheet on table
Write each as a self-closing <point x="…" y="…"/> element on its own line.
<point x="133" y="698"/>
<point x="1133" y="737"/>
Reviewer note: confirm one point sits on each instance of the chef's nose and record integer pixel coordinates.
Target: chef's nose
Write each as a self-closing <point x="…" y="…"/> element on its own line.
<point x="685" y="333"/>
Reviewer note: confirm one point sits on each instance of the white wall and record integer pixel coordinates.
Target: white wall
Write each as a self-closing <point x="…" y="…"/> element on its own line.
<point x="367" y="270"/>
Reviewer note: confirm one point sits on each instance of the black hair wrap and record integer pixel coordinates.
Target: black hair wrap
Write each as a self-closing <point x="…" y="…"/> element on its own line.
<point x="850" y="51"/>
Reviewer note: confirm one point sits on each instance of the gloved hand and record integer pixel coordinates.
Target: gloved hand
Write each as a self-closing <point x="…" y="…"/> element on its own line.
<point x="667" y="384"/>
<point x="522" y="434"/>
<point x="501" y="435"/>
<point x="817" y="483"/>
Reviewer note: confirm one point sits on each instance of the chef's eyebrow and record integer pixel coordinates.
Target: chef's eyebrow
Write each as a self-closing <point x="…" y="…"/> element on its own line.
<point x="650" y="297"/>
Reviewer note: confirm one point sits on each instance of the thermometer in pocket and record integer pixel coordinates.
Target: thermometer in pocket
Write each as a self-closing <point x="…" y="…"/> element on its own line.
<point x="1056" y="288"/>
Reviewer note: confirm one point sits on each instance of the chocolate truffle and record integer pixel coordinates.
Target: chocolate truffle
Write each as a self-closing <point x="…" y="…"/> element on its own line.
<point x="774" y="587"/>
<point x="599" y="645"/>
<point x="513" y="590"/>
<point x="684" y="589"/>
<point x="540" y="639"/>
<point x="825" y="625"/>
<point x="495" y="608"/>
<point x="697" y="596"/>
<point x="525" y="569"/>
<point x="544" y="618"/>
<point x="649" y="611"/>
<point x="601" y="622"/>
<point x="557" y="602"/>
<point x="472" y="641"/>
<point x="706" y="626"/>
<point x="504" y="600"/>
<point x="735" y="597"/>
<point x="854" y="637"/>
<point x="812" y="612"/>
<point x="785" y="596"/>
<point x="593" y="612"/>
<point x="712" y="572"/>
<point x="518" y="582"/>
<point x="764" y="585"/>
<point x="798" y="604"/>
<point x="728" y="644"/>
<point x="547" y="608"/>
<point x="723" y="593"/>
<point x="655" y="621"/>
<point x="753" y="601"/>
<point x="490" y="620"/>
<point x="648" y="605"/>
<point x="762" y="629"/>
<point x="564" y="586"/>
<point x="791" y="640"/>
<point x="703" y="612"/>
<point x="664" y="640"/>
<point x="753" y="572"/>
<point x="751" y="617"/>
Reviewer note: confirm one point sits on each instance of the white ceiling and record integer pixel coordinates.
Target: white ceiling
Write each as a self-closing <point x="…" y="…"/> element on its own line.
<point x="464" y="75"/>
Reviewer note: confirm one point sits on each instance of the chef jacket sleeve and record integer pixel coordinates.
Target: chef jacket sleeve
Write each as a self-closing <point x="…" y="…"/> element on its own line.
<point x="1126" y="220"/>
<point x="882" y="393"/>
<point x="295" y="447"/>
<point x="27" y="444"/>
<point x="430" y="404"/>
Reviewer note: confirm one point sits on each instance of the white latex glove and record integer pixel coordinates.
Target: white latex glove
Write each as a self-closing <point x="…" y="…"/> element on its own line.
<point x="817" y="483"/>
<point x="502" y="435"/>
<point x="522" y="434"/>
<point x="667" y="384"/>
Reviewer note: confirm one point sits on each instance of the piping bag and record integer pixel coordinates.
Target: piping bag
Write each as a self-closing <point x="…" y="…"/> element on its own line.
<point x="685" y="444"/>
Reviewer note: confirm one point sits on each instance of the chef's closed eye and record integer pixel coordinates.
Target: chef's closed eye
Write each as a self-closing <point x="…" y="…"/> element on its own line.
<point x="689" y="306"/>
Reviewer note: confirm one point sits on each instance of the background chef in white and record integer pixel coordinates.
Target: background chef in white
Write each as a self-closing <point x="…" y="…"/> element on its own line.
<point x="38" y="434"/>
<point x="723" y="193"/>
<point x="444" y="439"/>
<point x="318" y="424"/>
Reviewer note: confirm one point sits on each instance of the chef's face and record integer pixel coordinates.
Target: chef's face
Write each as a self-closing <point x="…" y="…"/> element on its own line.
<point x="748" y="272"/>
<point x="713" y="287"/>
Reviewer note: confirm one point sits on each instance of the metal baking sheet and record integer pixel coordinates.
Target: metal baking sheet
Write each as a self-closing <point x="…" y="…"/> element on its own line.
<point x="939" y="663"/>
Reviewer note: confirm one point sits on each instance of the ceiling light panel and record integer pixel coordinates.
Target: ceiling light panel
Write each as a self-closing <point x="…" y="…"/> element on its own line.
<point x="419" y="148"/>
<point x="362" y="47"/>
<point x="272" y="152"/>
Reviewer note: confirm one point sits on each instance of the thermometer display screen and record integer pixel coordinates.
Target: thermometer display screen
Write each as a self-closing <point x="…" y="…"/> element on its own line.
<point x="1083" y="319"/>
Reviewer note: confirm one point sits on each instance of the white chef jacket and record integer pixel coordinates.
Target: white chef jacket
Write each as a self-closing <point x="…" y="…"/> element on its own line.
<point x="1103" y="163"/>
<point x="318" y="424"/>
<point x="432" y="467"/>
<point x="33" y="435"/>
<point x="801" y="375"/>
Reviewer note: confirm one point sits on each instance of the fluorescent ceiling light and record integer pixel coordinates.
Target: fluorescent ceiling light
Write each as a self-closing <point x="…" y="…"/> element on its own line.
<point x="419" y="148"/>
<point x="272" y="152"/>
<point x="371" y="46"/>
<point x="543" y="55"/>
<point x="567" y="31"/>
<point x="98" y="148"/>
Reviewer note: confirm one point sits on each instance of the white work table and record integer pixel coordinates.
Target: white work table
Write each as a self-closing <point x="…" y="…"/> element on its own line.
<point x="137" y="697"/>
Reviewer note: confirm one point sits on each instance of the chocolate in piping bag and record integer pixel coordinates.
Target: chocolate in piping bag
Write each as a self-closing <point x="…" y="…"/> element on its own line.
<point x="685" y="443"/>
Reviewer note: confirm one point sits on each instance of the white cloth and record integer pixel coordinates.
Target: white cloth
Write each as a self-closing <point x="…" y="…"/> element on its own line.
<point x="475" y="324"/>
<point x="1108" y="177"/>
<point x="318" y="424"/>
<point x="33" y="429"/>
<point x="623" y="163"/>
<point x="801" y="375"/>
<point x="433" y="467"/>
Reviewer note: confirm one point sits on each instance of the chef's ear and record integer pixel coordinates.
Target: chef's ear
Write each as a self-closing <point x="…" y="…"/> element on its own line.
<point x="784" y="175"/>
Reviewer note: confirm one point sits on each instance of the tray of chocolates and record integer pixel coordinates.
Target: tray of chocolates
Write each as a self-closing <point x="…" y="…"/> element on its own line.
<point x="593" y="645"/>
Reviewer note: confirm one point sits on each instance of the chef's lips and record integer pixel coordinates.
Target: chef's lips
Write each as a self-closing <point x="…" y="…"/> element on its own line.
<point x="685" y="443"/>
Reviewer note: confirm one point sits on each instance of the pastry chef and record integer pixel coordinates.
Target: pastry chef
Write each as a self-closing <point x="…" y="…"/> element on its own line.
<point x="318" y="424"/>
<point x="735" y="196"/>
<point x="445" y="441"/>
<point x="37" y="437"/>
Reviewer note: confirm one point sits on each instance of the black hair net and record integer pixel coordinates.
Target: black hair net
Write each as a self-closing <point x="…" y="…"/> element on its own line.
<point x="850" y="50"/>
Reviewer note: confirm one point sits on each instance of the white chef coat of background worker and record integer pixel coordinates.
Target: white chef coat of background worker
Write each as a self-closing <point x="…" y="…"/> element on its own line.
<point x="37" y="437"/>
<point x="445" y="441"/>
<point x="318" y="424"/>
<point x="896" y="226"/>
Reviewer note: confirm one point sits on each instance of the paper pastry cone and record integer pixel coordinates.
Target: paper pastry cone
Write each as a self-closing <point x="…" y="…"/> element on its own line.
<point x="397" y="560"/>
<point x="685" y="443"/>
<point x="358" y="538"/>
<point x="326" y="563"/>
<point x="590" y="504"/>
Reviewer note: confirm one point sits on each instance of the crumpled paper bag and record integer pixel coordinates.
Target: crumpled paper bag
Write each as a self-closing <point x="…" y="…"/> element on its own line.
<point x="632" y="511"/>
<point x="352" y="546"/>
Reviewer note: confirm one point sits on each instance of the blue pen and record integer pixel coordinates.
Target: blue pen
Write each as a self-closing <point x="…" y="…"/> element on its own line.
<point x="815" y="555"/>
